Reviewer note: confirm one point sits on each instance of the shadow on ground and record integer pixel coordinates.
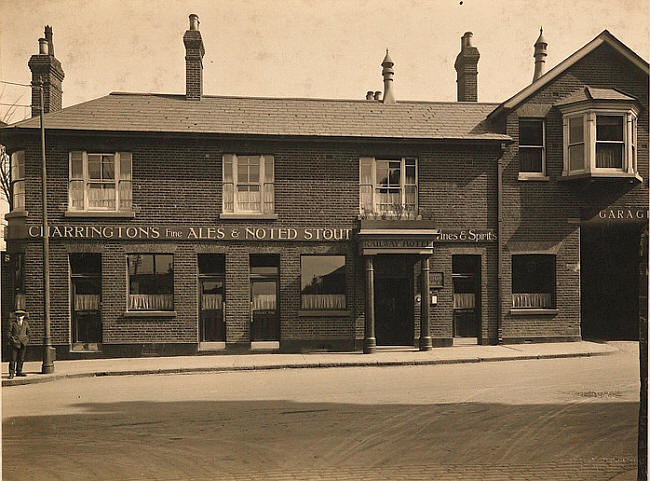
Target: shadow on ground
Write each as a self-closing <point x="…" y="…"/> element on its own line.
<point x="216" y="439"/>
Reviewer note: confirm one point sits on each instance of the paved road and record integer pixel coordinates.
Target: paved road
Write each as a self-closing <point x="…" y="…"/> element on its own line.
<point x="544" y="419"/>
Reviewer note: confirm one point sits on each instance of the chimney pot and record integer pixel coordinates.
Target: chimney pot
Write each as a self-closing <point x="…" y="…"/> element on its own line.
<point x="369" y="95"/>
<point x="378" y="95"/>
<point x="43" y="46"/>
<point x="194" y="21"/>
<point x="466" y="40"/>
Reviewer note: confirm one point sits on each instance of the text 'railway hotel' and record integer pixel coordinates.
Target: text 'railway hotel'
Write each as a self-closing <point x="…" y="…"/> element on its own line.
<point x="191" y="223"/>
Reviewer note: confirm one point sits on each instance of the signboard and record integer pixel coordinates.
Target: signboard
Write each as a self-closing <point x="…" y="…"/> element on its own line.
<point x="466" y="235"/>
<point x="616" y="214"/>
<point x="205" y="232"/>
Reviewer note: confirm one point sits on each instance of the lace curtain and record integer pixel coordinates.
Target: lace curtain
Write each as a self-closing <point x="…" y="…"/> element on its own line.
<point x="151" y="302"/>
<point x="323" y="301"/>
<point x="531" y="301"/>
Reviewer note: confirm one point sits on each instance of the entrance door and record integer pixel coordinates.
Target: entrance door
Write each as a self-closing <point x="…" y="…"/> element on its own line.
<point x="466" y="277"/>
<point x="86" y="290"/>
<point x="265" y="280"/>
<point x="393" y="319"/>
<point x="212" y="327"/>
<point x="265" y="325"/>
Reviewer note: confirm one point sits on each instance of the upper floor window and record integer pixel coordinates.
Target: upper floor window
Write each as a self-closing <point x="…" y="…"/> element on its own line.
<point x="532" y="154"/>
<point x="100" y="181"/>
<point x="600" y="131"/>
<point x="18" y="180"/>
<point x="388" y="187"/>
<point x="248" y="184"/>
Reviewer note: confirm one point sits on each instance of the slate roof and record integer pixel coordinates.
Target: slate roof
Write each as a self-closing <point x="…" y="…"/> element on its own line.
<point x="592" y="93"/>
<point x="267" y="116"/>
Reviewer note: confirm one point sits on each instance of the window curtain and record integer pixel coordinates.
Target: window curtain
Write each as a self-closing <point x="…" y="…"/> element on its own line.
<point x="151" y="302"/>
<point x="464" y="300"/>
<point x="531" y="301"/>
<point x="264" y="302"/>
<point x="86" y="302"/>
<point x="323" y="301"/>
<point x="211" y="302"/>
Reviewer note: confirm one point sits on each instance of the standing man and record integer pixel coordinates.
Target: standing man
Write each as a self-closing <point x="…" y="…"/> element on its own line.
<point x="18" y="340"/>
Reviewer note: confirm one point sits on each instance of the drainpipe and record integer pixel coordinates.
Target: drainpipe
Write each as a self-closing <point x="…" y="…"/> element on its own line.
<point x="500" y="243"/>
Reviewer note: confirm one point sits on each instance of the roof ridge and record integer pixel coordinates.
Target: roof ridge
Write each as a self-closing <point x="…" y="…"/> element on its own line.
<point x="305" y="99"/>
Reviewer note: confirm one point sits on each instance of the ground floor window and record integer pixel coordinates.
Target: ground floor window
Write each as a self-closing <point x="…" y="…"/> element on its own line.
<point x="151" y="282"/>
<point x="322" y="282"/>
<point x="533" y="281"/>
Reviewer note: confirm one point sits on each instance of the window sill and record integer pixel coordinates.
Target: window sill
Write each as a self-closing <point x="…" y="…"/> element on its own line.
<point x="602" y="175"/>
<point x="16" y="213"/>
<point x="307" y="313"/>
<point x="124" y="214"/>
<point x="528" y="312"/>
<point x="150" y="314"/>
<point x="238" y="215"/>
<point x="532" y="176"/>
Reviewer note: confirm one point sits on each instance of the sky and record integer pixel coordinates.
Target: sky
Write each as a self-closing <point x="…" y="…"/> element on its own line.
<point x="302" y="48"/>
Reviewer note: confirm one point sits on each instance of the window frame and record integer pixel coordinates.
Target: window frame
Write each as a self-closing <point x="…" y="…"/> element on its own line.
<point x="129" y="310"/>
<point x="117" y="181"/>
<point x="374" y="186"/>
<point x="553" y="295"/>
<point x="266" y="189"/>
<point x="17" y="180"/>
<point x="541" y="174"/>
<point x="345" y="293"/>
<point x="589" y="114"/>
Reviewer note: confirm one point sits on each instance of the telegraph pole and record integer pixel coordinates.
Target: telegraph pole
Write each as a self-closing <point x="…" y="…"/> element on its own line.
<point x="48" y="350"/>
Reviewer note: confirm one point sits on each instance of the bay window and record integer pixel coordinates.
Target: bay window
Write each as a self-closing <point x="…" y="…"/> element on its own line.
<point x="18" y="180"/>
<point x="100" y="182"/>
<point x="388" y="187"/>
<point x="322" y="282"/>
<point x="248" y="184"/>
<point x="151" y="282"/>
<point x="600" y="141"/>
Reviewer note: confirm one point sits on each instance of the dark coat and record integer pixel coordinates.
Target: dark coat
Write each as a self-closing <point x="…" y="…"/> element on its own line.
<point x="19" y="334"/>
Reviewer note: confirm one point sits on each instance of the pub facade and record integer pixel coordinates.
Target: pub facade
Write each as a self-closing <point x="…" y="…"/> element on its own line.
<point x="190" y="224"/>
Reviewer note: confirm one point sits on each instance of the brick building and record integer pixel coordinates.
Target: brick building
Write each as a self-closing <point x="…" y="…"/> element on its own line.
<point x="185" y="224"/>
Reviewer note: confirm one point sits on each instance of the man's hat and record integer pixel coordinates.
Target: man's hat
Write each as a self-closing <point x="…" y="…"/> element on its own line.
<point x="19" y="312"/>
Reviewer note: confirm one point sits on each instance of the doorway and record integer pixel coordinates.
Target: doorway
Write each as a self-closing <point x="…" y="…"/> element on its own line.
<point x="393" y="301"/>
<point x="609" y="276"/>
<point x="466" y="279"/>
<point x="86" y="290"/>
<point x="265" y="281"/>
<point x="212" y="327"/>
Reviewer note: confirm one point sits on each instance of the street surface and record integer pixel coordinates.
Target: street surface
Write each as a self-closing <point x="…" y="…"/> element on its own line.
<point x="557" y="419"/>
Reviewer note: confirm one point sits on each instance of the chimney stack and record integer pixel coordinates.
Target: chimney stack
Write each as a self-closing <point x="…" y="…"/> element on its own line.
<point x="540" y="55"/>
<point x="466" y="66"/>
<point x="194" y="52"/>
<point x="46" y="69"/>
<point x="388" y="72"/>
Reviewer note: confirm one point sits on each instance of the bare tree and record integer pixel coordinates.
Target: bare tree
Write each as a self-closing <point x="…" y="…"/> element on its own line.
<point x="5" y="158"/>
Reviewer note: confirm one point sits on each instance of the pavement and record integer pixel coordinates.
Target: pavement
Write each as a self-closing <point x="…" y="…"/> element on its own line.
<point x="385" y="356"/>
